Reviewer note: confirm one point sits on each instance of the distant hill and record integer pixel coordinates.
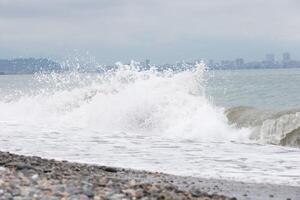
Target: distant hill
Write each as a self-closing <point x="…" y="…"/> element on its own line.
<point x="28" y="66"/>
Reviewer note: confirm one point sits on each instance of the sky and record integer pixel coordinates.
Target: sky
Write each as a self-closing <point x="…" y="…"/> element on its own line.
<point x="160" y="30"/>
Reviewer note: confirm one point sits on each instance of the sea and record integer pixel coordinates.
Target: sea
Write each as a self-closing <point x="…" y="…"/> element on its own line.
<point x="240" y="125"/>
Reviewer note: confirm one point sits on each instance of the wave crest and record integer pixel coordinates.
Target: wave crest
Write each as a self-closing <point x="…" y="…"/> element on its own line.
<point x="280" y="128"/>
<point x="126" y="99"/>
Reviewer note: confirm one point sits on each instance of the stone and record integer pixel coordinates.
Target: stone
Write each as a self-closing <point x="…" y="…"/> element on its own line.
<point x="130" y="192"/>
<point x="72" y="190"/>
<point x="109" y="169"/>
<point x="35" y="177"/>
<point x="117" y="196"/>
<point x="78" y="197"/>
<point x="16" y="192"/>
<point x="132" y="183"/>
<point x="196" y="192"/>
<point x="58" y="189"/>
<point x="18" y="198"/>
<point x="88" y="190"/>
<point x="19" y="165"/>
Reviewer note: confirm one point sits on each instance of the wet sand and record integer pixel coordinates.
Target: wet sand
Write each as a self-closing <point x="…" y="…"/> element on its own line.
<point x="25" y="177"/>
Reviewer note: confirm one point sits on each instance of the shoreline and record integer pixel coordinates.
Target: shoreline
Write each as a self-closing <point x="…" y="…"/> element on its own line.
<point x="32" y="177"/>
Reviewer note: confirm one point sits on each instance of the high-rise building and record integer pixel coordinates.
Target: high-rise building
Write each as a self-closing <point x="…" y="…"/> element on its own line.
<point x="147" y="63"/>
<point x="239" y="62"/>
<point x="270" y="58"/>
<point x="286" y="57"/>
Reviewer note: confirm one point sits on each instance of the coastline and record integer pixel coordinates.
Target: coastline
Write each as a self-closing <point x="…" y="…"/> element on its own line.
<point x="31" y="177"/>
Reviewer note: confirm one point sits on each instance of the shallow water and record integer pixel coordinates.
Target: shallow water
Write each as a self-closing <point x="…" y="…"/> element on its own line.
<point x="152" y="121"/>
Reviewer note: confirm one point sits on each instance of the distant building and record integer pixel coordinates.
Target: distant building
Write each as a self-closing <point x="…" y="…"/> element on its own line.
<point x="211" y="63"/>
<point x="239" y="62"/>
<point x="227" y="64"/>
<point x="253" y="65"/>
<point x="270" y="58"/>
<point x="286" y="57"/>
<point x="147" y="63"/>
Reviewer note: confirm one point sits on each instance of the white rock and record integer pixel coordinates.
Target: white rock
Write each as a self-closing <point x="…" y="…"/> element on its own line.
<point x="35" y="177"/>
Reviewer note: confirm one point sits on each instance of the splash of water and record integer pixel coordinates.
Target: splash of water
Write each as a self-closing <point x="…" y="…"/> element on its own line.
<point x="144" y="119"/>
<point x="275" y="127"/>
<point x="127" y="99"/>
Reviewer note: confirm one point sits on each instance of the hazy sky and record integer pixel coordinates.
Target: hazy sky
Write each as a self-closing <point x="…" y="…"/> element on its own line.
<point x="162" y="30"/>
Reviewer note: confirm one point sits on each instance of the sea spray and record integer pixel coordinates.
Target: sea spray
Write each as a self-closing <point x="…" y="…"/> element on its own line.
<point x="125" y="99"/>
<point x="153" y="119"/>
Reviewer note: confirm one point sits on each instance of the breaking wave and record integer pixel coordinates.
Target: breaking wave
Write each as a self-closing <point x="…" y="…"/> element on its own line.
<point x="132" y="100"/>
<point x="126" y="99"/>
<point x="275" y="127"/>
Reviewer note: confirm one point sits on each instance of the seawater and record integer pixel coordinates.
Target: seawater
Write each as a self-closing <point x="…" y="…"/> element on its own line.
<point x="275" y="89"/>
<point x="173" y="122"/>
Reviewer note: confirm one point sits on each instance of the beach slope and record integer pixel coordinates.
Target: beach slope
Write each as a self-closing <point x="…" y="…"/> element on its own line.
<point x="29" y="177"/>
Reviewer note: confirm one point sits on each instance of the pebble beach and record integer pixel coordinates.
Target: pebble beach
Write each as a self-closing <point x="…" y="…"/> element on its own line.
<point x="30" y="177"/>
<point x="24" y="177"/>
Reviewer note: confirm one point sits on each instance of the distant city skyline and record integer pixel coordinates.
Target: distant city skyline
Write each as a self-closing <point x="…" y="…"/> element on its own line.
<point x="163" y="31"/>
<point x="87" y="56"/>
<point x="270" y="61"/>
<point x="33" y="65"/>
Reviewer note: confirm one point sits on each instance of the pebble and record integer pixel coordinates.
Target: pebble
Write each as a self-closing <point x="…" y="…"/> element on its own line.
<point x="88" y="190"/>
<point x="109" y="169"/>
<point x="117" y="196"/>
<point x="72" y="190"/>
<point x="58" y="189"/>
<point x="35" y="177"/>
<point x="19" y="165"/>
<point x="130" y="192"/>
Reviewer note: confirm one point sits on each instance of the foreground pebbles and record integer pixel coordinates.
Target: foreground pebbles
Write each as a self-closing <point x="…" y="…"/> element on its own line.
<point x="23" y="177"/>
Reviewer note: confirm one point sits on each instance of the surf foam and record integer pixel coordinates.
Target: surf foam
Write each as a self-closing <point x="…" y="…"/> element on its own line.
<point x="126" y="99"/>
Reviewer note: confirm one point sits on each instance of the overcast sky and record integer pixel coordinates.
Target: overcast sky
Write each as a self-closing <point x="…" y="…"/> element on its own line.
<point x="161" y="30"/>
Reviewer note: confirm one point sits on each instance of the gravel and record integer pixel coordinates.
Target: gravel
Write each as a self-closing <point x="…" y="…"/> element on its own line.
<point x="31" y="177"/>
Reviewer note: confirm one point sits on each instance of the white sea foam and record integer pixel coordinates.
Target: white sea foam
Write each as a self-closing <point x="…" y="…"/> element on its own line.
<point x="125" y="100"/>
<point x="144" y="119"/>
